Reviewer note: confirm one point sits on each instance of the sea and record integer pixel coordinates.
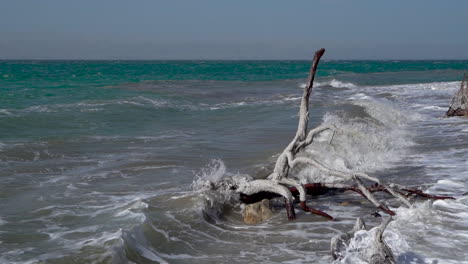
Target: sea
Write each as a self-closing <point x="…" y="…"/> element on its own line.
<point x="109" y="161"/>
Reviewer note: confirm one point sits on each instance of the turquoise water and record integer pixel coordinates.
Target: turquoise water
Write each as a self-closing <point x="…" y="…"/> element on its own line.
<point x="99" y="157"/>
<point x="29" y="83"/>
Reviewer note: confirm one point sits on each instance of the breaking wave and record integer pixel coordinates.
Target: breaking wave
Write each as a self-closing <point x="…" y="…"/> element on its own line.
<point x="333" y="83"/>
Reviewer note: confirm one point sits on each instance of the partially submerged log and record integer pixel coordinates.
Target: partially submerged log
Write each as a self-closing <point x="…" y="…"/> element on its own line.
<point x="459" y="103"/>
<point x="279" y="183"/>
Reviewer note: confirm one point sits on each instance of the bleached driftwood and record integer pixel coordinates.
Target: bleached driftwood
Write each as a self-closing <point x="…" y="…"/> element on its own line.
<point x="279" y="181"/>
<point x="459" y="103"/>
<point x="340" y="242"/>
<point x="323" y="188"/>
<point x="380" y="252"/>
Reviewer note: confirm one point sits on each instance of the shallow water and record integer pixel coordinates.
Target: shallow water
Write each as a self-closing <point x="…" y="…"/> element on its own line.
<point x="105" y="162"/>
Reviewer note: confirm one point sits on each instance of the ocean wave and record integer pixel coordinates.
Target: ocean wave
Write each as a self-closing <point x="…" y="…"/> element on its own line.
<point x="2" y="221"/>
<point x="363" y="143"/>
<point x="440" y="224"/>
<point x="417" y="89"/>
<point x="215" y="184"/>
<point x="273" y="101"/>
<point x="92" y="106"/>
<point x="333" y="83"/>
<point x="5" y="112"/>
<point x="431" y="86"/>
<point x="162" y="136"/>
<point x="145" y="102"/>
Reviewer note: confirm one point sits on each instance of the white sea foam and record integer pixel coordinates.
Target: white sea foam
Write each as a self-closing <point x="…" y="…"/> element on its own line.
<point x="2" y="221"/>
<point x="96" y="106"/>
<point x="40" y="109"/>
<point x="440" y="224"/>
<point x="433" y="107"/>
<point x="333" y="83"/>
<point x="5" y="112"/>
<point x="215" y="184"/>
<point x="362" y="144"/>
<point x="283" y="100"/>
<point x="450" y="184"/>
<point x="415" y="87"/>
<point x="339" y="84"/>
<point x="133" y="210"/>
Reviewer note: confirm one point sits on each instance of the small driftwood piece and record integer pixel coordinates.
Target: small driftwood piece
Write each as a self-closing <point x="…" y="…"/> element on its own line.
<point x="459" y="103"/>
<point x="340" y="242"/>
<point x="278" y="183"/>
<point x="381" y="252"/>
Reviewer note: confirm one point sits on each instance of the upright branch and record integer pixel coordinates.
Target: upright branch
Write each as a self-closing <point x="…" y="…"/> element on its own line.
<point x="304" y="109"/>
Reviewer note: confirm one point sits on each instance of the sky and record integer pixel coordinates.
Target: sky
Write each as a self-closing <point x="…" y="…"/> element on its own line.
<point x="233" y="30"/>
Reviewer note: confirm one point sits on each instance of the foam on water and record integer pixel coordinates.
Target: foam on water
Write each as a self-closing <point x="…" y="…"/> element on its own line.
<point x="362" y="143"/>
<point x="333" y="83"/>
<point x="274" y="101"/>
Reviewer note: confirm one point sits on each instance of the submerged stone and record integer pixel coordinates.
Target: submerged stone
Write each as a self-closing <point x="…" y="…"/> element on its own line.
<point x="257" y="212"/>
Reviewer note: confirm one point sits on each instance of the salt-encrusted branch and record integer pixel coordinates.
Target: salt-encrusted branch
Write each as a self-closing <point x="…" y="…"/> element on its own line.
<point x="304" y="110"/>
<point x="257" y="186"/>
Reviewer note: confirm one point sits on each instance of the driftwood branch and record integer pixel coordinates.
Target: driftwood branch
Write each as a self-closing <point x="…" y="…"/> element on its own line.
<point x="380" y="252"/>
<point x="316" y="189"/>
<point x="340" y="242"/>
<point x="278" y="183"/>
<point x="459" y="103"/>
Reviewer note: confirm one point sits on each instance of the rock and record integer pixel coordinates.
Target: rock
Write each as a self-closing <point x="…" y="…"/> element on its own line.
<point x="257" y="212"/>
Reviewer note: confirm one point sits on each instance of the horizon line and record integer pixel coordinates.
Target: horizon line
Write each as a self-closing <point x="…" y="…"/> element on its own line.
<point x="325" y="60"/>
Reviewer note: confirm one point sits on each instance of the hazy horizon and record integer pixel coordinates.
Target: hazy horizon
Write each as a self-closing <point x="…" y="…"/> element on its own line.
<point x="242" y="30"/>
<point x="234" y="60"/>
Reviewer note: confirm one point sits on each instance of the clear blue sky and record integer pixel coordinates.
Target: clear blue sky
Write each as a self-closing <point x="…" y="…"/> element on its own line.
<point x="217" y="29"/>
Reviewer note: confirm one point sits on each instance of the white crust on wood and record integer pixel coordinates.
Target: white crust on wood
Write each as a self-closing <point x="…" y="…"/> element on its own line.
<point x="257" y="186"/>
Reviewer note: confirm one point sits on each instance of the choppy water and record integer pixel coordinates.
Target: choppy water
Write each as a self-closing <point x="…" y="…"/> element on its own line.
<point x="104" y="162"/>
